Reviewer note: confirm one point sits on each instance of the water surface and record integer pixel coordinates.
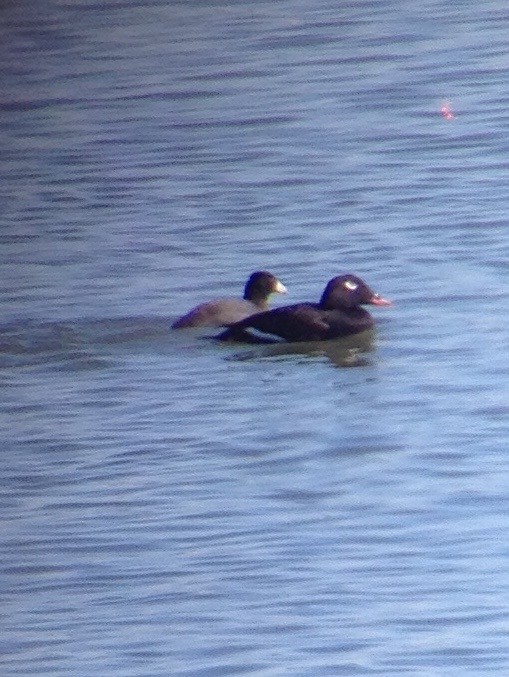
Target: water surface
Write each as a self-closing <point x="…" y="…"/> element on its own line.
<point x="174" y="506"/>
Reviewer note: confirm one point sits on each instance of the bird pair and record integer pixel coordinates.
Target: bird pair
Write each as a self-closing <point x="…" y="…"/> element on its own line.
<point x="337" y="314"/>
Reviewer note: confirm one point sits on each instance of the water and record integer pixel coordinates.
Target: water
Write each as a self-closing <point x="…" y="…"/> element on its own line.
<point x="176" y="507"/>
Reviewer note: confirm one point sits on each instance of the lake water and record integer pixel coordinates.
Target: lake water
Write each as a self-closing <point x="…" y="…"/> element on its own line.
<point x="173" y="506"/>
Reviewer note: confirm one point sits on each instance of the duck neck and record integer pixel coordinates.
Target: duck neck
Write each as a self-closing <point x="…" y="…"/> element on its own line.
<point x="258" y="298"/>
<point x="261" y="302"/>
<point x="360" y="317"/>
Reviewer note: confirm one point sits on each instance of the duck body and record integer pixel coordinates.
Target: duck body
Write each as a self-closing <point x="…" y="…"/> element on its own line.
<point x="227" y="311"/>
<point x="218" y="313"/>
<point x="338" y="314"/>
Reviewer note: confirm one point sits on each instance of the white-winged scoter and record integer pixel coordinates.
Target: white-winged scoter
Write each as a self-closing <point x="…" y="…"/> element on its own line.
<point x="224" y="312"/>
<point x="338" y="313"/>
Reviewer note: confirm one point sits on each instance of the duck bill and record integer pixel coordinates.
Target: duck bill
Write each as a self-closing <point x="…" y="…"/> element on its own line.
<point x="379" y="301"/>
<point x="280" y="288"/>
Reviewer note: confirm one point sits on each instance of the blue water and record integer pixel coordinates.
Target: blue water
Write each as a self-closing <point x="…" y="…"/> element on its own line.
<point x="174" y="506"/>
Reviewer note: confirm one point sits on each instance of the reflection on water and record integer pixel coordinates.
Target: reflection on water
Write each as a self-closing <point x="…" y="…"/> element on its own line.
<point x="346" y="352"/>
<point x="175" y="506"/>
<point x="29" y="342"/>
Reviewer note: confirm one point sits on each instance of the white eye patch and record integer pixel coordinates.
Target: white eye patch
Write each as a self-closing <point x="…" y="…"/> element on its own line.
<point x="350" y="285"/>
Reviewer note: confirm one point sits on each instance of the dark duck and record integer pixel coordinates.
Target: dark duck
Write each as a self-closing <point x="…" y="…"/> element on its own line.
<point x="226" y="311"/>
<point x="338" y="313"/>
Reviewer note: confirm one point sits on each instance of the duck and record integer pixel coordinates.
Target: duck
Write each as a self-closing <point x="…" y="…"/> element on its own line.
<point x="224" y="312"/>
<point x="337" y="314"/>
